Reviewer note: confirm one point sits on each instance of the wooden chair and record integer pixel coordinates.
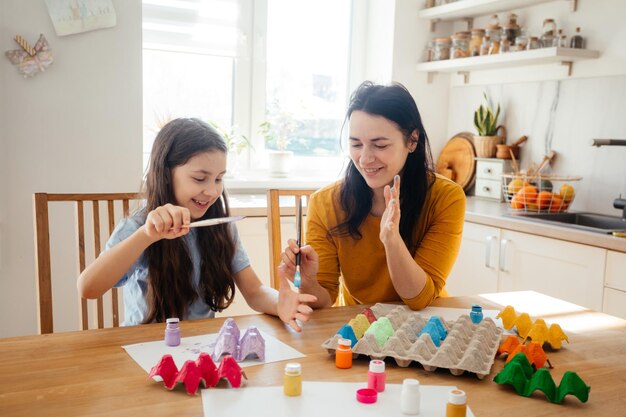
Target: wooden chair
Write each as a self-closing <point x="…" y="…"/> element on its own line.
<point x="274" y="225"/>
<point x="103" y="225"/>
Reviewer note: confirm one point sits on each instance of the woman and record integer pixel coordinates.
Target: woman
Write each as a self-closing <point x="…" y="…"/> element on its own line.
<point x="391" y="229"/>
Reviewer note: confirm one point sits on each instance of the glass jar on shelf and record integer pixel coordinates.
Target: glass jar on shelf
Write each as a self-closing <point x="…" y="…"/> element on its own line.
<point x="511" y="29"/>
<point x="548" y="33"/>
<point x="533" y="43"/>
<point x="521" y="41"/>
<point x="476" y="41"/>
<point x="505" y="45"/>
<point x="428" y="51"/>
<point x="494" y="47"/>
<point x="577" y="40"/>
<point x="485" y="45"/>
<point x="460" y="45"/>
<point x="441" y="50"/>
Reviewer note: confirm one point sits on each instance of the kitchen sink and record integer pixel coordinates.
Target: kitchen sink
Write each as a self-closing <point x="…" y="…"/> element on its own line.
<point x="592" y="222"/>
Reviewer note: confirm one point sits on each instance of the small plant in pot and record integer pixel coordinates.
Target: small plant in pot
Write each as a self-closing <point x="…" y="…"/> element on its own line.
<point x="486" y="123"/>
<point x="236" y="144"/>
<point x="276" y="134"/>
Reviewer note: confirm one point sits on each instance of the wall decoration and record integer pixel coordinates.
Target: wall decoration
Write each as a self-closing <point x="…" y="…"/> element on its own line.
<point x="76" y="16"/>
<point x="31" y="61"/>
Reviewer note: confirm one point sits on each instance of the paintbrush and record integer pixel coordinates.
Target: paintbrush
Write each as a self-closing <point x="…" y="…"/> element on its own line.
<point x="297" y="279"/>
<point x="213" y="222"/>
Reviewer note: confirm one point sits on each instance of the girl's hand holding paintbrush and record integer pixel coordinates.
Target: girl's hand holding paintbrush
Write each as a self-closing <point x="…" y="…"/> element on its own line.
<point x="167" y="222"/>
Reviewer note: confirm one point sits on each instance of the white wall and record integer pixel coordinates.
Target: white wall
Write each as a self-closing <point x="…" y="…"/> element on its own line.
<point x="73" y="128"/>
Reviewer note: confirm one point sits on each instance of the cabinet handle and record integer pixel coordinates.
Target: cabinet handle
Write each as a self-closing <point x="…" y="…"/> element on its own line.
<point x="503" y="245"/>
<point x="485" y="188"/>
<point x="488" y="240"/>
<point x="487" y="170"/>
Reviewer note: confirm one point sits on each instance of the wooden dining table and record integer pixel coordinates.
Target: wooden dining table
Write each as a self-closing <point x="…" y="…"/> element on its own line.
<point x="88" y="373"/>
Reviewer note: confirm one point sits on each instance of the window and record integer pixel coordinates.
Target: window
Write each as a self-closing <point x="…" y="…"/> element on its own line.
<point x="240" y="63"/>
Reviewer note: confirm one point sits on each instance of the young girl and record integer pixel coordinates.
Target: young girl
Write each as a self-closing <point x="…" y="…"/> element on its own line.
<point x="389" y="240"/>
<point x="170" y="270"/>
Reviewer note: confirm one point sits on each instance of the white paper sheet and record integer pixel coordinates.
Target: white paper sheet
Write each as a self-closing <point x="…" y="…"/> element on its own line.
<point x="149" y="354"/>
<point x="319" y="399"/>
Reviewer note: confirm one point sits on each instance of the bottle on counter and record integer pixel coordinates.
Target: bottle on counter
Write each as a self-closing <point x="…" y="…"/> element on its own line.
<point x="410" y="397"/>
<point x="292" y="380"/>
<point x="376" y="375"/>
<point x="172" y="332"/>
<point x="456" y="406"/>
<point x="343" y="354"/>
<point x="577" y="40"/>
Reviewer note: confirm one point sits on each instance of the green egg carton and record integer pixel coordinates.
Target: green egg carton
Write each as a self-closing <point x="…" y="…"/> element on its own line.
<point x="519" y="373"/>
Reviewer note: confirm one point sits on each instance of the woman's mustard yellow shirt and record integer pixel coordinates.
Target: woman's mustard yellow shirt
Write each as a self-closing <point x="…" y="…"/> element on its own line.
<point x="362" y="263"/>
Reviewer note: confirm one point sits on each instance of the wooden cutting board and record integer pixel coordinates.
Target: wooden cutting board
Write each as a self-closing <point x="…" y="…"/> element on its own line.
<point x="457" y="160"/>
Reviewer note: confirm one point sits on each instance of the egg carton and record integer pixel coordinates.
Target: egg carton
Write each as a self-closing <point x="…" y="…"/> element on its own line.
<point x="468" y="347"/>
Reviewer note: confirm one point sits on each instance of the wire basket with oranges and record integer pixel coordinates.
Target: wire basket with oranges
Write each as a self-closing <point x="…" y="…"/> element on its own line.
<point x="546" y="193"/>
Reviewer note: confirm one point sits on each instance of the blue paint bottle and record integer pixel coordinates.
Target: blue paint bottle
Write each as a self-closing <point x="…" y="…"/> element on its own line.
<point x="476" y="315"/>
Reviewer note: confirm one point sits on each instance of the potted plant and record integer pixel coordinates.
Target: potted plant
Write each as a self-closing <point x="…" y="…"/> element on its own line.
<point x="486" y="123"/>
<point x="236" y="144"/>
<point x="276" y="134"/>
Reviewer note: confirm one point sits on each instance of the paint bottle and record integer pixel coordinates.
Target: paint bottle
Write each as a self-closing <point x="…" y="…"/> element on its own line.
<point x="343" y="355"/>
<point x="376" y="375"/>
<point x="292" y="381"/>
<point x="456" y="406"/>
<point x="410" y="396"/>
<point x="476" y="315"/>
<point x="172" y="332"/>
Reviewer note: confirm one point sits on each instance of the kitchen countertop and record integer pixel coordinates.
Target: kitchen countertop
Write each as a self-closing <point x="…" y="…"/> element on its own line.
<point x="480" y="211"/>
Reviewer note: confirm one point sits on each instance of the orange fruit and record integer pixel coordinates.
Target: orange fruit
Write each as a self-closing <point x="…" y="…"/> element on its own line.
<point x="528" y="194"/>
<point x="567" y="192"/>
<point x="557" y="204"/>
<point x="544" y="199"/>
<point x="517" y="203"/>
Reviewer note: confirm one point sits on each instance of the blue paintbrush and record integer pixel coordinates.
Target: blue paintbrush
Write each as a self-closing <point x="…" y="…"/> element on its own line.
<point x="296" y="278"/>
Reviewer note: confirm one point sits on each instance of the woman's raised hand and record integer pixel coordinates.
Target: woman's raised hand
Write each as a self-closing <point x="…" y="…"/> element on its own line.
<point x="390" y="222"/>
<point x="167" y="222"/>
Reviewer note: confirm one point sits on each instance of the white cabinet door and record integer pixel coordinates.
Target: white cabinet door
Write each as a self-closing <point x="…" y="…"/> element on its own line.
<point x="476" y="268"/>
<point x="615" y="284"/>
<point x="565" y="270"/>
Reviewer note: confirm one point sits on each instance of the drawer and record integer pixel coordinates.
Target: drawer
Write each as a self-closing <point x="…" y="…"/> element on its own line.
<point x="491" y="169"/>
<point x="489" y="188"/>
<point x="615" y="274"/>
<point x="614" y="303"/>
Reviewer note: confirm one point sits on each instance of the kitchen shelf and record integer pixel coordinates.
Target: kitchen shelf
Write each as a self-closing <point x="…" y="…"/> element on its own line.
<point x="468" y="9"/>
<point x="464" y="66"/>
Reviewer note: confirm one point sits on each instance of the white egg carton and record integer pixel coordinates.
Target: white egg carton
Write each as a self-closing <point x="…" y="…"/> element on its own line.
<point x="468" y="347"/>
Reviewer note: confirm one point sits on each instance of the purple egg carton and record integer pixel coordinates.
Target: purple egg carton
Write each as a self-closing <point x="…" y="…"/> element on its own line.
<point x="229" y="343"/>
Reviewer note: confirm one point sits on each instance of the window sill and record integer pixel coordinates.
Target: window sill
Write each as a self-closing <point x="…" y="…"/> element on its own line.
<point x="259" y="182"/>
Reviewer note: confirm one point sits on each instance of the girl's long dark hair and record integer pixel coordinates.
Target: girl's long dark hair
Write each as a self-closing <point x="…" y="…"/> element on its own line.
<point x="394" y="103"/>
<point x="170" y="286"/>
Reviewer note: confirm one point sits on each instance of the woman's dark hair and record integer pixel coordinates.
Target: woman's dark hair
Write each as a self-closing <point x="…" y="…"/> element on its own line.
<point x="170" y="286"/>
<point x="394" y="103"/>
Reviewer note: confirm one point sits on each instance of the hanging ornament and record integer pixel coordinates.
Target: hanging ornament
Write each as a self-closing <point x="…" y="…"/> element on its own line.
<point x="31" y="61"/>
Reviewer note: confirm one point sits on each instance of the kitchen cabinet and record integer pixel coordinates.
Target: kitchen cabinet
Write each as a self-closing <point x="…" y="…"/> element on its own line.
<point x="496" y="260"/>
<point x="615" y="284"/>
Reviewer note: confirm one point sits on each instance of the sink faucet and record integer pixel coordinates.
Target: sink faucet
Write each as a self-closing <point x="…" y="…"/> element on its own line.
<point x="620" y="203"/>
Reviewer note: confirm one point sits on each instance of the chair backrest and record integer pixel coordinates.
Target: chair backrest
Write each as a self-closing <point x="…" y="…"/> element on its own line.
<point x="103" y="224"/>
<point x="274" y="224"/>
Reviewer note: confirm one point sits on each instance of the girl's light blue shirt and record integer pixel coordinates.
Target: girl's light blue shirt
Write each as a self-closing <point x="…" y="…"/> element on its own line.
<point x="135" y="281"/>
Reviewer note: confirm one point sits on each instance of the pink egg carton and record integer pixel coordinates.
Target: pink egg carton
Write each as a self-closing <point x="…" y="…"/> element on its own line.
<point x="468" y="347"/>
<point x="203" y="370"/>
